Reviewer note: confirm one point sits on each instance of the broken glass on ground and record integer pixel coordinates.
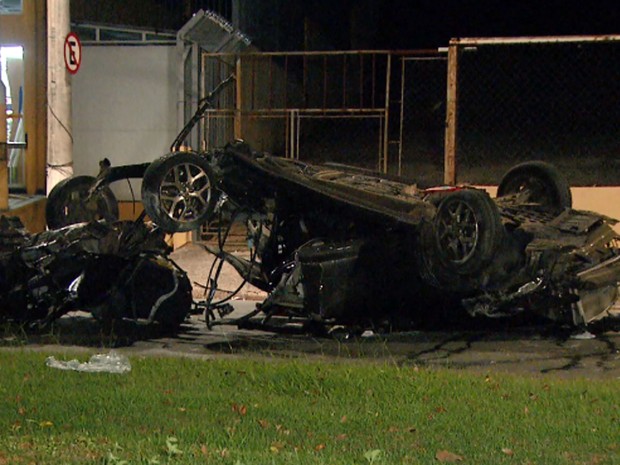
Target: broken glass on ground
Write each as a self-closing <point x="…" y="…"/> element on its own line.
<point x="112" y="362"/>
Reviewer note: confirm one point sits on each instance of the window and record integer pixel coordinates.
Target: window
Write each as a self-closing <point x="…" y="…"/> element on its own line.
<point x="12" y="76"/>
<point x="11" y="7"/>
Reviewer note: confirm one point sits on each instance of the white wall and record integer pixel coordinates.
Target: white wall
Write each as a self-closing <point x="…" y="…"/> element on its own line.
<point x="124" y="107"/>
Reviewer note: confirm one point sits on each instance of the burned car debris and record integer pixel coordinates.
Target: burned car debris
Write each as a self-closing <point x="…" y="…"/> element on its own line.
<point x="336" y="245"/>
<point x="114" y="270"/>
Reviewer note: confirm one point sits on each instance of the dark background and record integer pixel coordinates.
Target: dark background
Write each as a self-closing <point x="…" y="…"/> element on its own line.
<point x="518" y="102"/>
<point x="366" y="24"/>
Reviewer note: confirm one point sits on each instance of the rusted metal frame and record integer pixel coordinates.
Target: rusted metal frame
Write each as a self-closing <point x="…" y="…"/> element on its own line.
<point x="320" y="111"/>
<point x="435" y="58"/>
<point x="307" y="53"/>
<point x="293" y="134"/>
<point x="202" y="86"/>
<point x="305" y="113"/>
<point x="238" y="99"/>
<point x="297" y="133"/>
<point x="304" y="78"/>
<point x="388" y="75"/>
<point x="473" y="41"/>
<point x="324" y="82"/>
<point x="253" y="81"/>
<point x="287" y="137"/>
<point x="4" y="153"/>
<point x="373" y="80"/>
<point x="361" y="74"/>
<point x="376" y="114"/>
<point x="286" y="115"/>
<point x="286" y="80"/>
<point x="451" y="116"/>
<point x="402" y="112"/>
<point x="381" y="142"/>
<point x="207" y="126"/>
<point x="418" y="53"/>
<point x="344" y="81"/>
<point x="217" y="77"/>
<point x="270" y="82"/>
<point x="220" y="113"/>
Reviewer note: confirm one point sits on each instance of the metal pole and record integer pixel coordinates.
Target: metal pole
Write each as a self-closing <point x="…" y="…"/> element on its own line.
<point x="59" y="117"/>
<point x="4" y="152"/>
<point x="402" y="117"/>
<point x="386" y="127"/>
<point x="238" y="102"/>
<point x="451" y="116"/>
<point x="298" y="132"/>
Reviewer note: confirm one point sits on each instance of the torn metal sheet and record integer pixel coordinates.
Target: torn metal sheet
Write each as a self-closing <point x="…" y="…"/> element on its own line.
<point x="117" y="270"/>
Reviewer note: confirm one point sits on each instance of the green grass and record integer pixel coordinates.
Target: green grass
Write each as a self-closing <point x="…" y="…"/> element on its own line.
<point x="182" y="411"/>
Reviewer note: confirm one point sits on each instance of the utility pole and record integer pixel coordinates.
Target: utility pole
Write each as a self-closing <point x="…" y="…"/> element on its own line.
<point x="4" y="152"/>
<point x="59" y="124"/>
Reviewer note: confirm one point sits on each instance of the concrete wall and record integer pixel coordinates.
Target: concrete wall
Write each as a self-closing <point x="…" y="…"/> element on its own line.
<point x="124" y="107"/>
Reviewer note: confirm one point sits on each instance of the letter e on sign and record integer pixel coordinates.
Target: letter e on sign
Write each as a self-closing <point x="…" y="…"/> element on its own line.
<point x="73" y="52"/>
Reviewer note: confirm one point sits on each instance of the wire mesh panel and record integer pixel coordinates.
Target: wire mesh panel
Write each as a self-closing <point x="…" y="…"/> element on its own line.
<point x="217" y="127"/>
<point x="302" y="105"/>
<point x="314" y="81"/>
<point x="423" y="95"/>
<point x="343" y="139"/>
<point x="549" y="100"/>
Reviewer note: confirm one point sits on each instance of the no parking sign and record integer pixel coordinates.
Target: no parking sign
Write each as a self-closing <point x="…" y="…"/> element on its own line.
<point x="73" y="52"/>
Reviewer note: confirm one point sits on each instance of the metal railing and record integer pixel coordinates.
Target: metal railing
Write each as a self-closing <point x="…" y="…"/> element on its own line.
<point x="291" y="103"/>
<point x="481" y="107"/>
<point x="344" y="106"/>
<point x="548" y="98"/>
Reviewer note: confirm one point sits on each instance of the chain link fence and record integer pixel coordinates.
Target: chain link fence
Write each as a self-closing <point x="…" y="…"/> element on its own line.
<point x="423" y="117"/>
<point x="554" y="100"/>
<point x="312" y="106"/>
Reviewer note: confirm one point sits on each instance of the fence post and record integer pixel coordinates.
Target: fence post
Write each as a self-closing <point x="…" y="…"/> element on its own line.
<point x="451" y="116"/>
<point x="386" y="127"/>
<point x="238" y="102"/>
<point x="4" y="152"/>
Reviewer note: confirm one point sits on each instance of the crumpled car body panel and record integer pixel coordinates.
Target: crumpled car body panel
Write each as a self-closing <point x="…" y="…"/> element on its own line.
<point x="113" y="270"/>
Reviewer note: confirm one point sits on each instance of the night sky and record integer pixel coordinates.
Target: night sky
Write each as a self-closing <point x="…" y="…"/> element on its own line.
<point x="435" y="21"/>
<point x="368" y="24"/>
<point x="405" y="24"/>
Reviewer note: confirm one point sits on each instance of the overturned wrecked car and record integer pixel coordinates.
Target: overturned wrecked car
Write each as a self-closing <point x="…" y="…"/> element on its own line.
<point x="342" y="245"/>
<point x="339" y="245"/>
<point x="332" y="245"/>
<point x="114" y="270"/>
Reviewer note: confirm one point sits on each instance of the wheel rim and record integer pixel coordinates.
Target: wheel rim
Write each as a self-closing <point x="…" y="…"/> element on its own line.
<point x="185" y="192"/>
<point x="457" y="231"/>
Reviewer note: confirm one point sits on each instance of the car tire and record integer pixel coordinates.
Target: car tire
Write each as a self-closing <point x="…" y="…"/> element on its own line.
<point x="464" y="236"/>
<point x="542" y="181"/>
<point x="178" y="191"/>
<point x="68" y="203"/>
